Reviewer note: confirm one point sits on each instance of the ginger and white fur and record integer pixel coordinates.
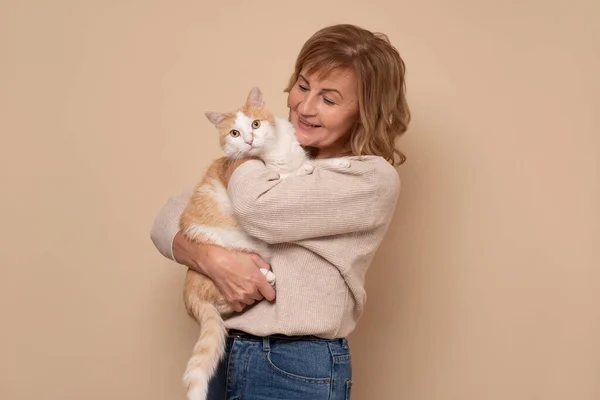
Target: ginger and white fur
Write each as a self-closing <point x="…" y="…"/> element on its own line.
<point x="250" y="131"/>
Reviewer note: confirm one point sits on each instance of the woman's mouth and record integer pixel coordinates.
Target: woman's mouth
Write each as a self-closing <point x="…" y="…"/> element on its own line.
<point x="306" y="125"/>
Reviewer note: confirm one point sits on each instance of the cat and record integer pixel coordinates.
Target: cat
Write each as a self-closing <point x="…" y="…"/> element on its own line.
<point x="251" y="131"/>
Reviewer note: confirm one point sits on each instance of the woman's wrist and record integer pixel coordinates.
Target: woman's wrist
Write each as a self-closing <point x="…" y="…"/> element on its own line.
<point x="192" y="255"/>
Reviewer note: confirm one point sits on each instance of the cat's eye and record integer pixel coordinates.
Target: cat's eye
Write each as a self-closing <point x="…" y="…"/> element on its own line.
<point x="234" y="133"/>
<point x="256" y="124"/>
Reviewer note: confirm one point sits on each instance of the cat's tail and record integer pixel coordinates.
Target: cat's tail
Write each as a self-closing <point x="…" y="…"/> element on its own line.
<point x="207" y="352"/>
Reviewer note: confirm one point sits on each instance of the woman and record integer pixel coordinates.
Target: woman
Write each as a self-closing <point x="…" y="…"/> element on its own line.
<point x="346" y="98"/>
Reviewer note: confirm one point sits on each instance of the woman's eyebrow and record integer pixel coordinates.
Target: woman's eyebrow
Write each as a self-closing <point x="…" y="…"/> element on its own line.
<point x="323" y="89"/>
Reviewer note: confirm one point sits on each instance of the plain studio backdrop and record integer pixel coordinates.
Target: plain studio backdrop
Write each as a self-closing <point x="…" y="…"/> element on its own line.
<point x="487" y="285"/>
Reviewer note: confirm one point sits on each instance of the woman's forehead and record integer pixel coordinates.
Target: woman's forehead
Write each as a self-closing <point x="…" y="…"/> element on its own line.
<point x="342" y="79"/>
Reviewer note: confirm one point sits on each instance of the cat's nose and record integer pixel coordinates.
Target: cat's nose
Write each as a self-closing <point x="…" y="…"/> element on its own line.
<point x="249" y="141"/>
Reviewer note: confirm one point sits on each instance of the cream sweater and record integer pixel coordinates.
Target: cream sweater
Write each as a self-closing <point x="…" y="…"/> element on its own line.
<point x="324" y="229"/>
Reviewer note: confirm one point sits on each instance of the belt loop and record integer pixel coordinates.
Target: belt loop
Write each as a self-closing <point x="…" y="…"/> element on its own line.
<point x="266" y="344"/>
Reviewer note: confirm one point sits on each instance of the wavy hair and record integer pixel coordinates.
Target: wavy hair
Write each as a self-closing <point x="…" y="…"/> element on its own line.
<point x="380" y="71"/>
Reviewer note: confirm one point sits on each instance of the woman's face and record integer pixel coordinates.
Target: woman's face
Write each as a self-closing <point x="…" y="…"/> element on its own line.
<point x="324" y="110"/>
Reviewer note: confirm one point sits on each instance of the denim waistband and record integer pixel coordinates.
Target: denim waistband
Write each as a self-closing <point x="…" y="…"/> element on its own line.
<point x="237" y="334"/>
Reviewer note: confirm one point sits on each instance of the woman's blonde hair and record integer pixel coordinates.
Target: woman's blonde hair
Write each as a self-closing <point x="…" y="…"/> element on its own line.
<point x="384" y="112"/>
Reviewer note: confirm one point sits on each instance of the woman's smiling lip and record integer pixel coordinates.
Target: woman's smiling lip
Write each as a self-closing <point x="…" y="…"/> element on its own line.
<point x="307" y="124"/>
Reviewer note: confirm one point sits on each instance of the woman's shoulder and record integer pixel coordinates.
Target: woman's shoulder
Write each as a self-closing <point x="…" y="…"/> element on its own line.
<point x="373" y="171"/>
<point x="387" y="176"/>
<point x="375" y="163"/>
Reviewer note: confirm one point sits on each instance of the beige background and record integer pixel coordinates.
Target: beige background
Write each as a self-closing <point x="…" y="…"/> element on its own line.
<point x="487" y="286"/>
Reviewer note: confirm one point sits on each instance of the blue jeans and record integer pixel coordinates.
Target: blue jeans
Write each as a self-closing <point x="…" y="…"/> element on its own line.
<point x="281" y="369"/>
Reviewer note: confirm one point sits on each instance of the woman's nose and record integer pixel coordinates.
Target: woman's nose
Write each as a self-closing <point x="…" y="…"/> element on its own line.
<point x="307" y="106"/>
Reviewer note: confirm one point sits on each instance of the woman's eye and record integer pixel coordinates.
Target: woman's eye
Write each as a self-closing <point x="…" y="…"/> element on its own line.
<point x="234" y="133"/>
<point x="328" y="102"/>
<point x="256" y="124"/>
<point x="303" y="88"/>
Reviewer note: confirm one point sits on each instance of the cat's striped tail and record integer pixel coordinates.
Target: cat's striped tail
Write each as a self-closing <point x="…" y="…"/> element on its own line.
<point x="207" y="352"/>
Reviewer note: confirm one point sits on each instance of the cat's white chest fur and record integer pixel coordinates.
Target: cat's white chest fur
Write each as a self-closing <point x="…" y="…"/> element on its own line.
<point x="286" y="156"/>
<point x="283" y="153"/>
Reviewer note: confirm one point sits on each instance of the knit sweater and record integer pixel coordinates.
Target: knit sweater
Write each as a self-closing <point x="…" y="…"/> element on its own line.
<point x="324" y="229"/>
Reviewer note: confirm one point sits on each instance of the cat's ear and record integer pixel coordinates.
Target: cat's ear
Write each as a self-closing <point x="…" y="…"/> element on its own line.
<point x="255" y="98"/>
<point x="216" y="118"/>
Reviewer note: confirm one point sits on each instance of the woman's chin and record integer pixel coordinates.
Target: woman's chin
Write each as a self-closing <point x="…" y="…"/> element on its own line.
<point x="302" y="138"/>
<point x="302" y="142"/>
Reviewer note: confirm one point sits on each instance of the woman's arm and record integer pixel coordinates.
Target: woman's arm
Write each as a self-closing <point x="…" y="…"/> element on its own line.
<point x="165" y="229"/>
<point x="166" y="224"/>
<point x="330" y="201"/>
<point x="235" y="274"/>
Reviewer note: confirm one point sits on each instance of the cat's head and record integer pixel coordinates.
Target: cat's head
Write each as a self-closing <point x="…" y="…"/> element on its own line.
<point x="245" y="131"/>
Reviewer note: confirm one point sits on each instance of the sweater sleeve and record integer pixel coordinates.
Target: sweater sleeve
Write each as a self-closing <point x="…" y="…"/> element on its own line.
<point x="330" y="201"/>
<point x="166" y="223"/>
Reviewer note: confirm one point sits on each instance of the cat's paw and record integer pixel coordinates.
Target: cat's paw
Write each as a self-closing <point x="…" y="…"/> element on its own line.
<point x="269" y="276"/>
<point x="339" y="162"/>
<point x="305" y="169"/>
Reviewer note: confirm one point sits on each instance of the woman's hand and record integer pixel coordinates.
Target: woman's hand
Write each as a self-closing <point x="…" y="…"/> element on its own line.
<point x="236" y="274"/>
